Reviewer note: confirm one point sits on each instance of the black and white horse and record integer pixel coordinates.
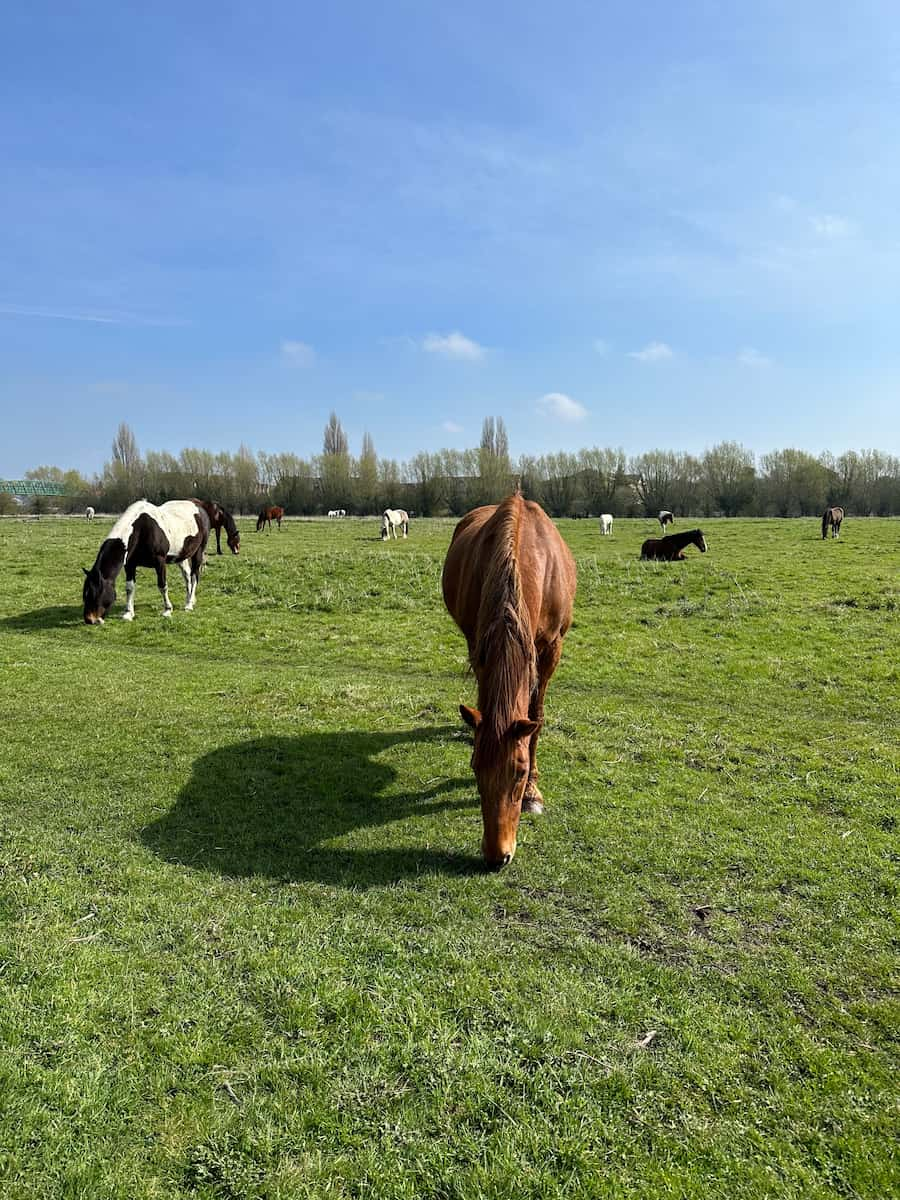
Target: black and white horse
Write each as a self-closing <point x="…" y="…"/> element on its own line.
<point x="89" y="513"/>
<point x="147" y="536"/>
<point x="666" y="518"/>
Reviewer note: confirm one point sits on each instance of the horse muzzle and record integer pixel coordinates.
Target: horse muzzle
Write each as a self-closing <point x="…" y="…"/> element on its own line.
<point x="92" y="619"/>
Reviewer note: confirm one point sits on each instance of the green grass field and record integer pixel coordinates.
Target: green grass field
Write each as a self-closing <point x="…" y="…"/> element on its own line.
<point x="247" y="948"/>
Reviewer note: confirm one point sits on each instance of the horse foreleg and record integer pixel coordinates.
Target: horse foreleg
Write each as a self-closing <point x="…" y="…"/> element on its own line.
<point x="548" y="660"/>
<point x="130" y="572"/>
<point x="218" y="539"/>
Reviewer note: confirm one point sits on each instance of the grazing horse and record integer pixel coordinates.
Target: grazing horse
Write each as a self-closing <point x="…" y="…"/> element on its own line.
<point x="89" y="513"/>
<point x="606" y="523"/>
<point x="393" y="519"/>
<point x="218" y="518"/>
<point x="833" y="517"/>
<point x="147" y="536"/>
<point x="337" y="512"/>
<point x="671" y="548"/>
<point x="666" y="518"/>
<point x="509" y="584"/>
<point x="267" y="516"/>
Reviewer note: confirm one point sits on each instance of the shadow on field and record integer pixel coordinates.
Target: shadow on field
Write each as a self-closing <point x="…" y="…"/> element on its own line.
<point x="270" y="807"/>
<point x="55" y="617"/>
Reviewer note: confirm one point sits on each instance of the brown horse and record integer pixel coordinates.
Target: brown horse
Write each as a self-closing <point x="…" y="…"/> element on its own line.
<point x="267" y="516"/>
<point x="671" y="548"/>
<point x="833" y="517"/>
<point x="509" y="584"/>
<point x="219" y="519"/>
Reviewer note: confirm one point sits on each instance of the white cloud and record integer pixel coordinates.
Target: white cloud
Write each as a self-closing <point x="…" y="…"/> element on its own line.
<point x="561" y="407"/>
<point x="453" y="345"/>
<point x="748" y="357"/>
<point x="451" y="427"/>
<point x="830" y="226"/>
<point x="601" y="347"/>
<point x="298" y="354"/>
<point x="653" y="352"/>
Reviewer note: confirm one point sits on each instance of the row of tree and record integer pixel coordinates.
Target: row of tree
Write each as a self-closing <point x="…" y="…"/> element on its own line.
<point x="725" y="479"/>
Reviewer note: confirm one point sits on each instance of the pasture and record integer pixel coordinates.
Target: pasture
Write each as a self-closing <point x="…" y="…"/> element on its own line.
<point x="247" y="947"/>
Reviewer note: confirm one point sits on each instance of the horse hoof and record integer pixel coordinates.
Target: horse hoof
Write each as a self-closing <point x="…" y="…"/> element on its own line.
<point x="167" y="612"/>
<point x="532" y="801"/>
<point x="127" y="616"/>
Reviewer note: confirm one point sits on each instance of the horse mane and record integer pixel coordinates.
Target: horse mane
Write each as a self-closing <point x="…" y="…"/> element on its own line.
<point x="504" y="644"/>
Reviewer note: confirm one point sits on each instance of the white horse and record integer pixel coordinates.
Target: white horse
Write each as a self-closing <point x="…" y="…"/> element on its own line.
<point x="393" y="519"/>
<point x="606" y="523"/>
<point x="332" y="512"/>
<point x="337" y="512"/>
<point x="89" y="513"/>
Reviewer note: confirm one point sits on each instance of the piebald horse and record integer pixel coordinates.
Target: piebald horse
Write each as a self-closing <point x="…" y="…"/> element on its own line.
<point x="509" y="584"/>
<point x="89" y="513"/>
<point x="147" y="536"/>
<point x="665" y="518"/>
<point x="393" y="519"/>
<point x="671" y="548"/>
<point x="606" y="523"/>
<point x="833" y="517"/>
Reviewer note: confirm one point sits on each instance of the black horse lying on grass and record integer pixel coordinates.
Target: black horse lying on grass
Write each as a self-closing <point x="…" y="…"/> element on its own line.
<point x="671" y="548"/>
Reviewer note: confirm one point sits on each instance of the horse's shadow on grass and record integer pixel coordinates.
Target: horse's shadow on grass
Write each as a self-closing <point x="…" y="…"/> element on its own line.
<point x="271" y="807"/>
<point x="56" y="616"/>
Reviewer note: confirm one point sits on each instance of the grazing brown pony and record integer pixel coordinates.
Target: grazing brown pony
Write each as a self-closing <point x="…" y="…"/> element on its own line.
<point x="509" y="584"/>
<point x="267" y="516"/>
<point x="671" y="548"/>
<point x="833" y="517"/>
<point x="219" y="518"/>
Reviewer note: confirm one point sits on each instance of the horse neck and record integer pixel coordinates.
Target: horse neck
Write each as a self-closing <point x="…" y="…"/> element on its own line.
<point x="504" y="646"/>
<point x="110" y="558"/>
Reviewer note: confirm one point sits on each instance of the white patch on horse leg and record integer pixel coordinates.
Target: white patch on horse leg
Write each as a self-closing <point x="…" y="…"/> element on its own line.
<point x="188" y="590"/>
<point x="128" y="614"/>
<point x="167" y="603"/>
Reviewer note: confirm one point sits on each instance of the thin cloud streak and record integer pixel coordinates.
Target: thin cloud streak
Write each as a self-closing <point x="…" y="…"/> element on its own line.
<point x="654" y="352"/>
<point x="21" y="310"/>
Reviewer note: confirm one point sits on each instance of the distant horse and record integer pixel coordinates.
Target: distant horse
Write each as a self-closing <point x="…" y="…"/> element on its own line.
<point x="147" y="536"/>
<point x="606" y="523"/>
<point x="337" y="512"/>
<point x="89" y="513"/>
<point x="666" y="518"/>
<point x="267" y="516"/>
<point x="219" y="518"/>
<point x="393" y="519"/>
<point x="509" y="584"/>
<point x="833" y="517"/>
<point x="671" y="548"/>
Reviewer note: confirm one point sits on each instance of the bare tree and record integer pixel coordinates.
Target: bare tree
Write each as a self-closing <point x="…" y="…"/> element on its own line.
<point x="335" y="441"/>
<point x="125" y="448"/>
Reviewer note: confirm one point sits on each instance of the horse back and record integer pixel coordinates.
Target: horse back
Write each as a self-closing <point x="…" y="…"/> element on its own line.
<point x="547" y="572"/>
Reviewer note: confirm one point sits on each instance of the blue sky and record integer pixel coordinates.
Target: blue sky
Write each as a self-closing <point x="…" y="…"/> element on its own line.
<point x="637" y="224"/>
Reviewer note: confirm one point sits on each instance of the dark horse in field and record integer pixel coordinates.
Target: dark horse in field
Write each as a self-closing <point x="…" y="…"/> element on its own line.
<point x="267" y="516"/>
<point x="833" y="517"/>
<point x="147" y="536"/>
<point x="219" y="519"/>
<point x="665" y="518"/>
<point x="509" y="584"/>
<point x="671" y="548"/>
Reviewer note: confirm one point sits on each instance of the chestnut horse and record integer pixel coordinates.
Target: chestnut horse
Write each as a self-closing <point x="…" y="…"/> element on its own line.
<point x="218" y="518"/>
<point x="267" y="516"/>
<point x="671" y="548"/>
<point x="832" y="517"/>
<point x="509" y="584"/>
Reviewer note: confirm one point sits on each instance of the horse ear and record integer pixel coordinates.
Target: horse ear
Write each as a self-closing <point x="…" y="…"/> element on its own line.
<point x="471" y="716"/>
<point x="522" y="729"/>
